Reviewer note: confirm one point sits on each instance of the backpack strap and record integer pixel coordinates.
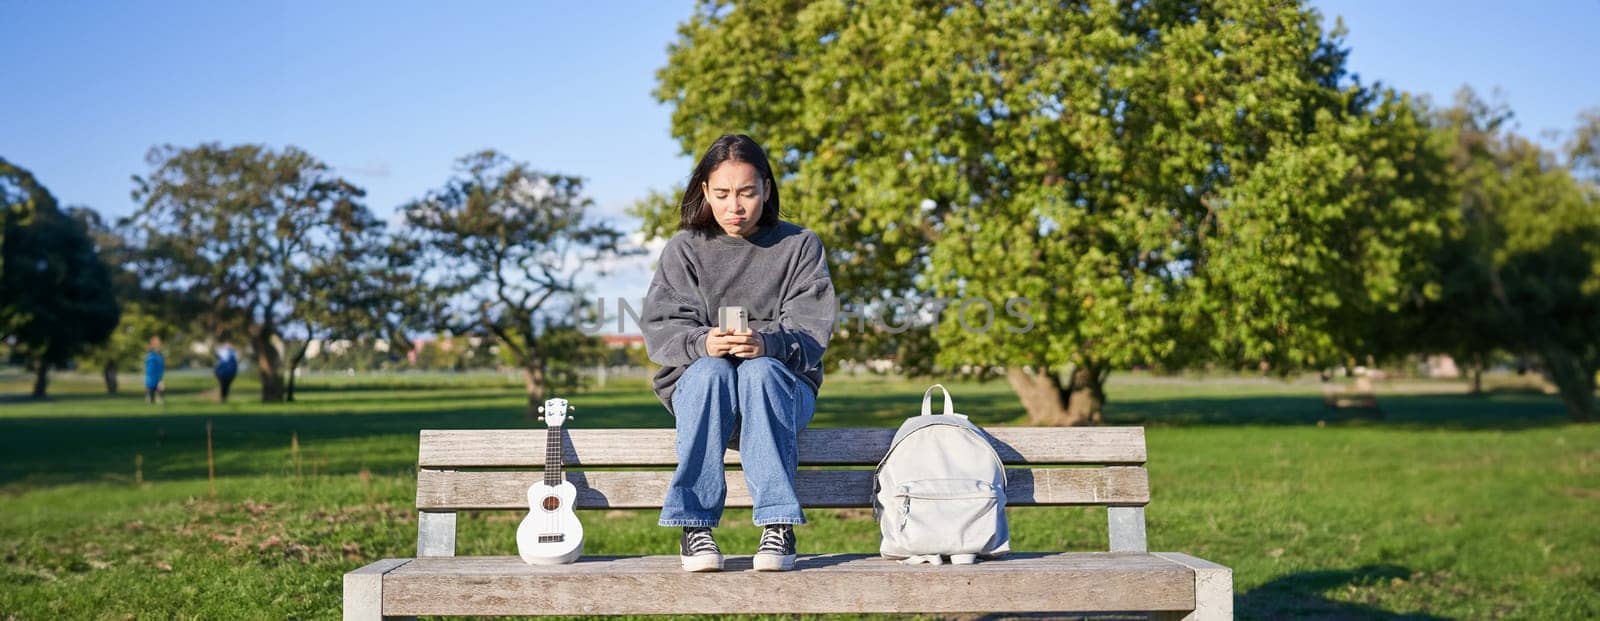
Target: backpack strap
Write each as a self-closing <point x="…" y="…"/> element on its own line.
<point x="949" y="406"/>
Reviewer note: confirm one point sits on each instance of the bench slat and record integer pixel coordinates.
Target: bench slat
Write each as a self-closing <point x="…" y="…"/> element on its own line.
<point x="442" y="448"/>
<point x="1089" y="582"/>
<point x="456" y="490"/>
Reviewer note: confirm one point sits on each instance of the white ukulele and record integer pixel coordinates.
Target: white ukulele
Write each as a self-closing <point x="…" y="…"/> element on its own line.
<point x="551" y="534"/>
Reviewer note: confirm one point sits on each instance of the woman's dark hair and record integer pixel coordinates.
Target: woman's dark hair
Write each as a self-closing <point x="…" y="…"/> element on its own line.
<point x="697" y="214"/>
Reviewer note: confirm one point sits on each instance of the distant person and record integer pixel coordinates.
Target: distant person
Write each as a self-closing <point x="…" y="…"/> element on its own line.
<point x="227" y="368"/>
<point x="155" y="366"/>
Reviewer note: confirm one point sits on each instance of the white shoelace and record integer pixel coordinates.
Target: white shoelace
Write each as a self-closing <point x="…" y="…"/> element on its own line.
<point x="775" y="540"/>
<point x="700" y="542"/>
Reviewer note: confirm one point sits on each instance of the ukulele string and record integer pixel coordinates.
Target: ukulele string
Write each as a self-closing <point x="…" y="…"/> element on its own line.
<point x="552" y="457"/>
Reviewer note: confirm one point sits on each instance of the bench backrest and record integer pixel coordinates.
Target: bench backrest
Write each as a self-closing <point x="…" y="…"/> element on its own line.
<point x="492" y="469"/>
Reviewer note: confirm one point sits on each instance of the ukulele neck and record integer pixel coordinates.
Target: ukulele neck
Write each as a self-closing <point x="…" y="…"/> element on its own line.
<point x="552" y="457"/>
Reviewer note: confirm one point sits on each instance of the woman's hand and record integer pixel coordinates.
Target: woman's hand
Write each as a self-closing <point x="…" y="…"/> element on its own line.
<point x="743" y="343"/>
<point x="717" y="343"/>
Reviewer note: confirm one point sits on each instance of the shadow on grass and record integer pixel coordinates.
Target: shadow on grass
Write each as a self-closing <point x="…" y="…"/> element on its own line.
<point x="1417" y="411"/>
<point x="24" y="399"/>
<point x="1432" y="411"/>
<point x="1299" y="596"/>
<point x="406" y="384"/>
<point x="1296" y="596"/>
<point x="98" y="437"/>
<point x="63" y="449"/>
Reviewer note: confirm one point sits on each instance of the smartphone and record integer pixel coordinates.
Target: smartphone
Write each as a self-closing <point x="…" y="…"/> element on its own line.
<point x="732" y="318"/>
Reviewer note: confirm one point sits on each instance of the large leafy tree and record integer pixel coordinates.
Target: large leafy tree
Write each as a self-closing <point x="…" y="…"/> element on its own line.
<point x="1549" y="274"/>
<point x="1166" y="183"/>
<point x="55" y="290"/>
<point x="1522" y="269"/>
<point x="509" y="245"/>
<point x="243" y="227"/>
<point x="1461" y="320"/>
<point x="19" y="196"/>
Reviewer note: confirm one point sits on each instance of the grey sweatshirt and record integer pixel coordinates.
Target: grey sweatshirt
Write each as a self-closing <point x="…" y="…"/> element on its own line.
<point x="779" y="274"/>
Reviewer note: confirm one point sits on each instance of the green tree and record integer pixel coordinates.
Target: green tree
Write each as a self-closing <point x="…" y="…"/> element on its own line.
<point x="365" y="284"/>
<point x="508" y="244"/>
<point x="1522" y="271"/>
<point x="55" y="291"/>
<point x="127" y="343"/>
<point x="569" y="352"/>
<point x="21" y="195"/>
<point x="243" y="227"/>
<point x="1460" y="321"/>
<point x="1172" y="184"/>
<point x="1583" y="149"/>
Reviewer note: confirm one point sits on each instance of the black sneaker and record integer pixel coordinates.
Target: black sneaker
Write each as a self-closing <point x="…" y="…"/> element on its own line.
<point x="699" y="551"/>
<point x="776" y="552"/>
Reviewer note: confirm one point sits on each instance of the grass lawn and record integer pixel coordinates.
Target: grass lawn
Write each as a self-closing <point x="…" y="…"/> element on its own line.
<point x="1450" y="507"/>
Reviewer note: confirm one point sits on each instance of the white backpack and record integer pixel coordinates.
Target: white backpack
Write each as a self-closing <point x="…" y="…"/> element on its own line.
<point x="940" y="490"/>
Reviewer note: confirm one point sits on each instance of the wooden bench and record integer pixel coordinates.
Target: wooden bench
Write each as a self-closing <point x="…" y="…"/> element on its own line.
<point x="491" y="470"/>
<point x="1360" y="395"/>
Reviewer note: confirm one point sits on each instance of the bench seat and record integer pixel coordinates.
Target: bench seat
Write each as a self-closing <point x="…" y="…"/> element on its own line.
<point x="504" y="585"/>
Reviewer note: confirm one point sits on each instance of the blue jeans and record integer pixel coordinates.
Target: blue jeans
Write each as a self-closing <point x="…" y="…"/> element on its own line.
<point x="768" y="405"/>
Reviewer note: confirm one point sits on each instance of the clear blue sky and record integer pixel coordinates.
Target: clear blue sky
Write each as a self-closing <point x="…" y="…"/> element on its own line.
<point x="1544" y="55"/>
<point x="392" y="92"/>
<point x="389" y="92"/>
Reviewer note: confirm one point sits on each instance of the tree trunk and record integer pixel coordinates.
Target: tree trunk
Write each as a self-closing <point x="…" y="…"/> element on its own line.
<point x="294" y="364"/>
<point x="1087" y="398"/>
<point x="288" y="384"/>
<point x="533" y="377"/>
<point x="270" y="365"/>
<point x="1574" y="380"/>
<point x="1040" y="394"/>
<point x="110" y="373"/>
<point x="1477" y="376"/>
<point x="41" y="379"/>
<point x="1050" y="404"/>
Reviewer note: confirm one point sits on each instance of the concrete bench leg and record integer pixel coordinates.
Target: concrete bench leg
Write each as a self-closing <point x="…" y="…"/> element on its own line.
<point x="1126" y="527"/>
<point x="1213" y="590"/>
<point x="436" y="534"/>
<point x="363" y="591"/>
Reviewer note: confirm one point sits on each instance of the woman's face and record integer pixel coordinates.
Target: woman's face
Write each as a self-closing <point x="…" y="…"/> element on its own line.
<point x="736" y="193"/>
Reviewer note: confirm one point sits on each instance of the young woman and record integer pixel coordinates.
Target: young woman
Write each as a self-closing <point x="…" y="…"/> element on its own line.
<point x="756" y="388"/>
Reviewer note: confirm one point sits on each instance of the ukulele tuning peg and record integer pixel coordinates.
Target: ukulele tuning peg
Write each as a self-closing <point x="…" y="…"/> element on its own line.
<point x="541" y="409"/>
<point x="541" y="419"/>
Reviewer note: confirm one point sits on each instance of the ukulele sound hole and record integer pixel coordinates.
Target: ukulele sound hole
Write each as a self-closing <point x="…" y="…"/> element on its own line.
<point x="551" y="503"/>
